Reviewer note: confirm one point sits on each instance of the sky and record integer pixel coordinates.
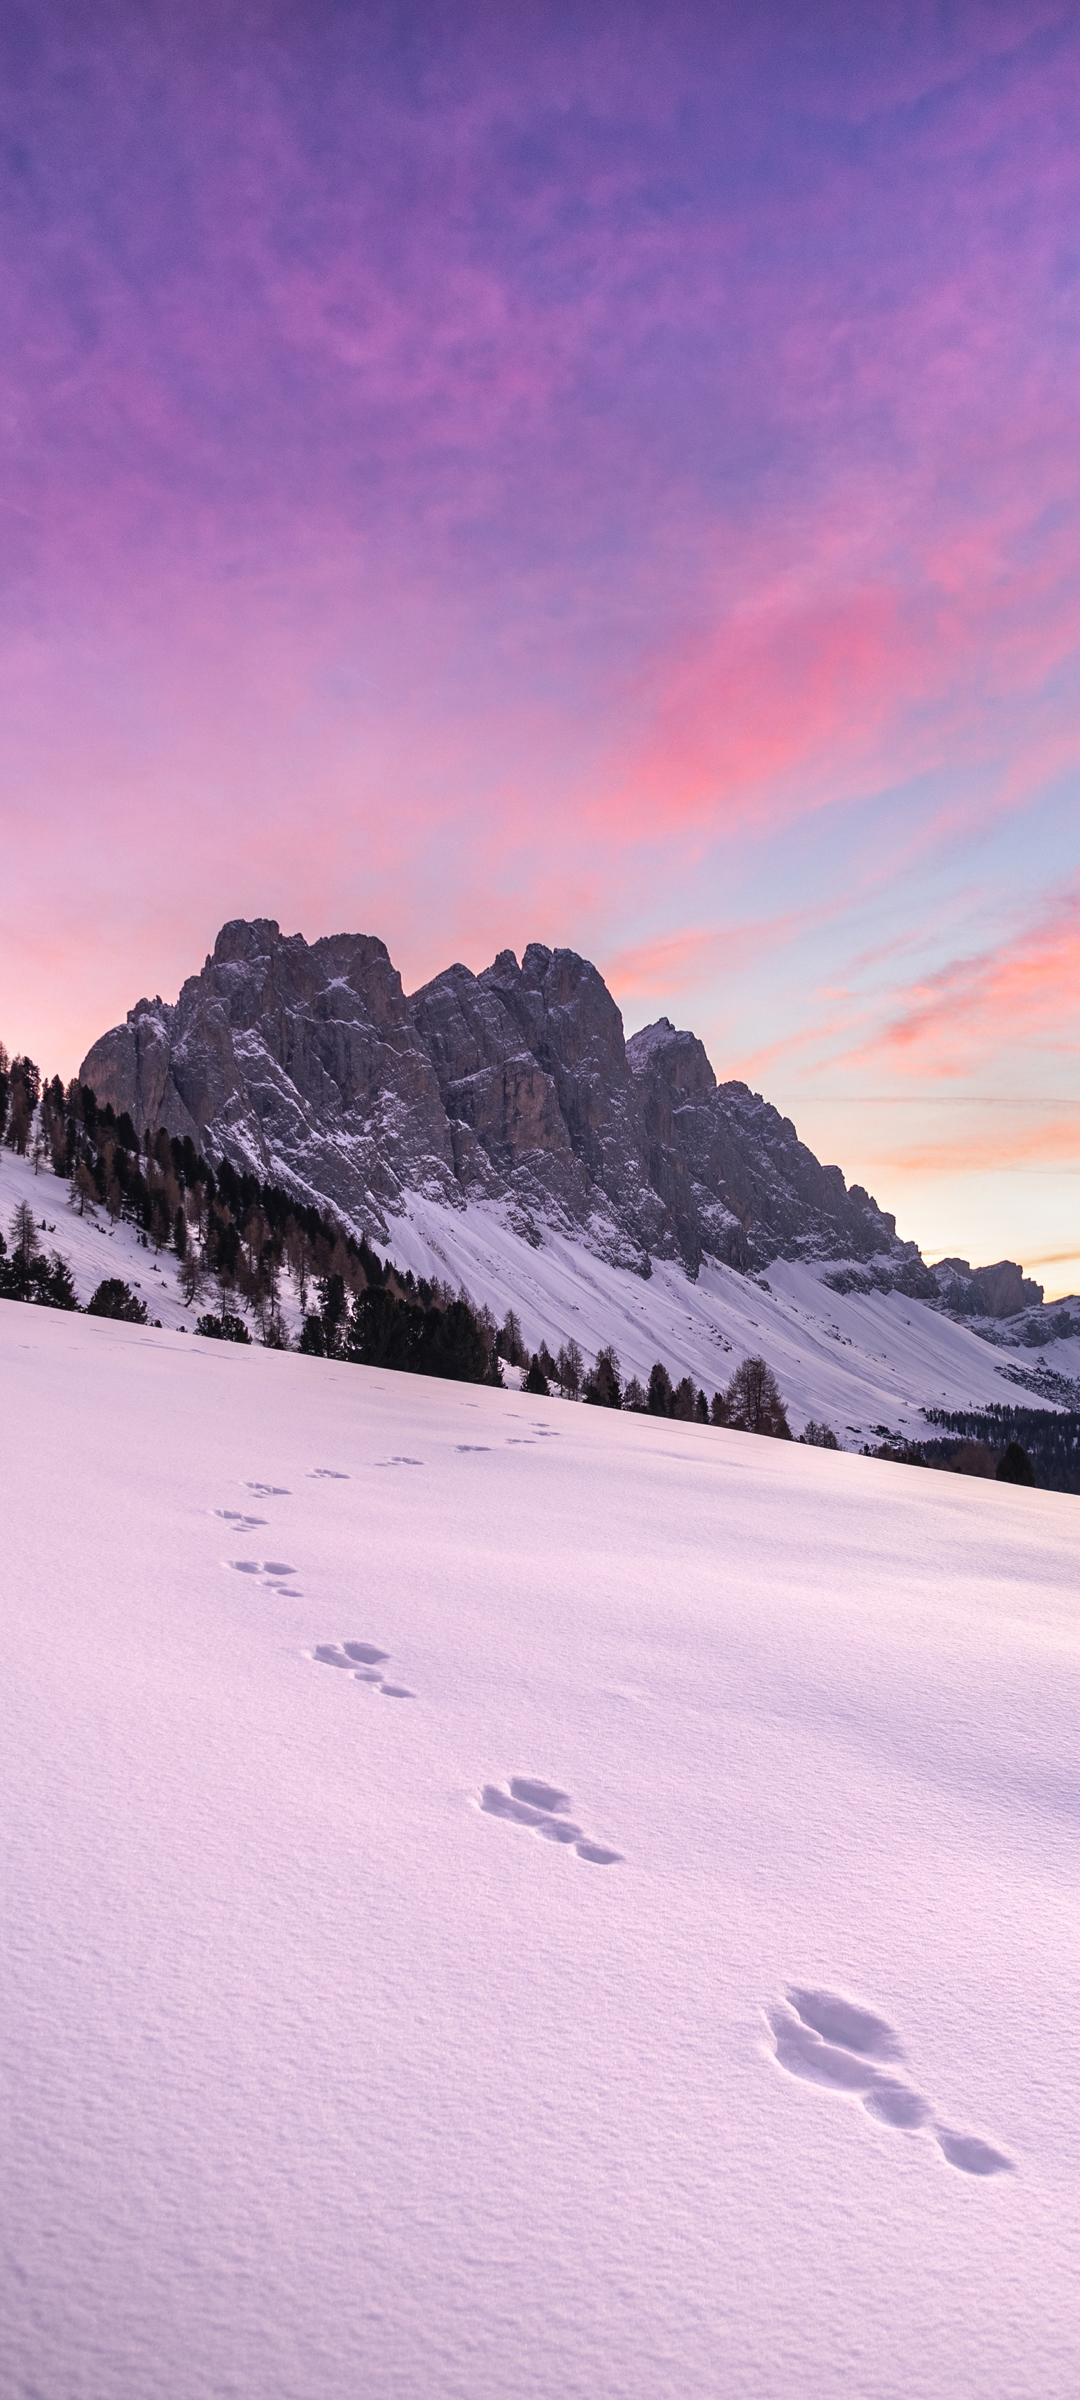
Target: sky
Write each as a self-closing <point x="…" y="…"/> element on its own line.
<point x="600" y="475"/>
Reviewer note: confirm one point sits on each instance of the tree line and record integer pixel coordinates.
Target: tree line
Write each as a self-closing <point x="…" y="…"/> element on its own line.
<point x="751" y="1402"/>
<point x="999" y="1443"/>
<point x="234" y="1237"/>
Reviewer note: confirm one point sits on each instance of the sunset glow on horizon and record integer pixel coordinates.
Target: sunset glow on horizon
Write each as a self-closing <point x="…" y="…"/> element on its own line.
<point x="605" y="477"/>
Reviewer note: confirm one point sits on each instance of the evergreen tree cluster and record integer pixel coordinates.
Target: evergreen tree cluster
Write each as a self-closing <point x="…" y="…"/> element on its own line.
<point x="751" y="1404"/>
<point x="20" y="1089"/>
<point x="414" y="1326"/>
<point x="229" y="1228"/>
<point x="1000" y="1444"/>
<point x="1046" y="1442"/>
<point x="26" y="1273"/>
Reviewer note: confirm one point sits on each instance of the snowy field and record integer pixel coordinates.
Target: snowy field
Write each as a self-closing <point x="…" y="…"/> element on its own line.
<point x="860" y="1360"/>
<point x="323" y="2078"/>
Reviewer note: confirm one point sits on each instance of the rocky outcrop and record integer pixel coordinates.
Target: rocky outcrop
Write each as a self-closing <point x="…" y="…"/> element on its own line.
<point x="299" y="1062"/>
<point x="306" y="1063"/>
<point x="998" y="1291"/>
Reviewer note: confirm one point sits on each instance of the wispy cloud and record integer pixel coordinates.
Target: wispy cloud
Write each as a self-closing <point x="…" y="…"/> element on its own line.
<point x="1050" y="1144"/>
<point x="447" y="489"/>
<point x="977" y="1007"/>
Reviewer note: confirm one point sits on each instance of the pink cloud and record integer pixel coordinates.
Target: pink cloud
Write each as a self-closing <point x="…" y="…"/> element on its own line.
<point x="982" y="1152"/>
<point x="1026" y="991"/>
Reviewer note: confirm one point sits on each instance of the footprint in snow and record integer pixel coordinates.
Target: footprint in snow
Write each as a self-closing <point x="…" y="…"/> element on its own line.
<point x="823" y="2038"/>
<point x="327" y="1475"/>
<point x="362" y="1660"/>
<point x="399" y="1462"/>
<point x="275" y="1572"/>
<point x="235" y="1516"/>
<point x="542" y="1807"/>
<point x="269" y="1491"/>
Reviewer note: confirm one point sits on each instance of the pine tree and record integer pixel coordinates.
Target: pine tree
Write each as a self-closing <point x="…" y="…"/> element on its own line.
<point x="1015" y="1466"/>
<point x="818" y="1437"/>
<point x="603" y="1388"/>
<point x="25" y="1084"/>
<point x="191" y="1277"/>
<point x="660" y="1392"/>
<point x="59" y="1287"/>
<point x="83" y="1187"/>
<point x="226" y="1328"/>
<point x="753" y="1398"/>
<point x="536" y="1381"/>
<point x="24" y="1234"/>
<point x="568" y="1369"/>
<point x="333" y="1310"/>
<point x="115" y="1298"/>
<point x="511" y="1343"/>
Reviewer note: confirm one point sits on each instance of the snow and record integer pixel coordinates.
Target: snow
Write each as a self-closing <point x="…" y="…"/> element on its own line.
<point x="860" y="1360"/>
<point x="322" y="2078"/>
<point x="93" y="1246"/>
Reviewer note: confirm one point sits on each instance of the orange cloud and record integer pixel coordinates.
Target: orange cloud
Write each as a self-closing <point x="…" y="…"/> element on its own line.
<point x="975" y="1007"/>
<point x="982" y="1153"/>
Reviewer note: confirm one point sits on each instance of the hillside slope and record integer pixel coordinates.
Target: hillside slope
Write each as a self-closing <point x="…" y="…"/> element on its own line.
<point x="862" y="1360"/>
<point x="865" y="1361"/>
<point x="322" y="2076"/>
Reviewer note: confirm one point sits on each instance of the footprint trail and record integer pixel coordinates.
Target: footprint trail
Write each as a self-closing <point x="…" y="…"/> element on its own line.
<point x="823" y="2038"/>
<point x="362" y="1660"/>
<point x="541" y="1807"/>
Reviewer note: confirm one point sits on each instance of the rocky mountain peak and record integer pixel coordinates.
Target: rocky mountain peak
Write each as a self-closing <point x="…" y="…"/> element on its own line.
<point x="679" y="1057"/>
<point x="1002" y="1290"/>
<point x="307" y="1063"/>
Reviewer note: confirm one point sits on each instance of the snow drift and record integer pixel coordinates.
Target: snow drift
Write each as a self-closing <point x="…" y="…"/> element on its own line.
<point x="508" y="1898"/>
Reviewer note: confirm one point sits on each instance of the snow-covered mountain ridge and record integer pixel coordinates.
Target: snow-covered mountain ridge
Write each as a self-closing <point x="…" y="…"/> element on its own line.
<point x="497" y="1131"/>
<point x="308" y="1065"/>
<point x="865" y="1360"/>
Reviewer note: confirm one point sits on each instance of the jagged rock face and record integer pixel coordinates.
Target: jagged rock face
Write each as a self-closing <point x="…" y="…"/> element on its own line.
<point x="307" y="1064"/>
<point x="998" y="1291"/>
<point x="298" y="1062"/>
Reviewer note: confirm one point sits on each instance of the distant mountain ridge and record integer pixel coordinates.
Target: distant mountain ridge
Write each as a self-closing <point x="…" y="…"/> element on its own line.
<point x="308" y="1064"/>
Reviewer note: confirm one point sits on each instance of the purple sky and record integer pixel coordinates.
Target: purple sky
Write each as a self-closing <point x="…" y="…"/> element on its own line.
<point x="599" y="475"/>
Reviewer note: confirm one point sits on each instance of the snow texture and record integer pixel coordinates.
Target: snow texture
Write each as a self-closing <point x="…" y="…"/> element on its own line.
<point x="670" y="1994"/>
<point x="861" y="1360"/>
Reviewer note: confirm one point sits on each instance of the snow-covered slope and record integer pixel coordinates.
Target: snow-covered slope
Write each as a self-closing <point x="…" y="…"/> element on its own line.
<point x="322" y="2079"/>
<point x="500" y="1131"/>
<point x="95" y="1248"/>
<point x="860" y="1360"/>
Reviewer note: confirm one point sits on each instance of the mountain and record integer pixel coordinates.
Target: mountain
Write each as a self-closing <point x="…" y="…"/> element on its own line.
<point x="308" y="1064"/>
<point x="497" y="1131"/>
